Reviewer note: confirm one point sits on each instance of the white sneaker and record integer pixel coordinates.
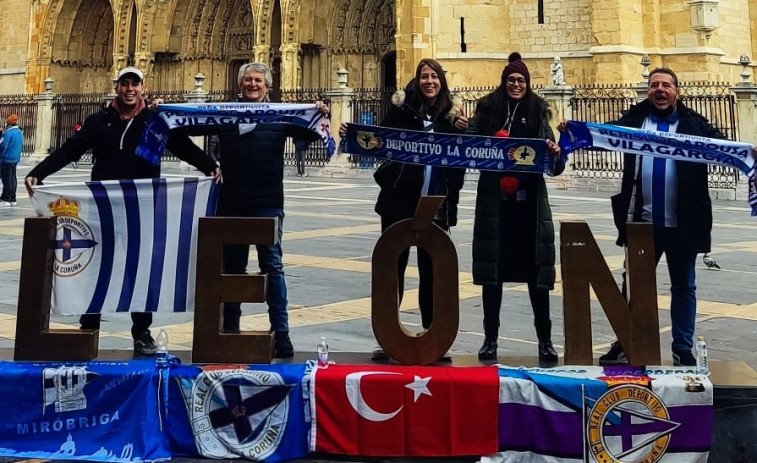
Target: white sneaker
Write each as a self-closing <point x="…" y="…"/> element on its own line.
<point x="5" y="203"/>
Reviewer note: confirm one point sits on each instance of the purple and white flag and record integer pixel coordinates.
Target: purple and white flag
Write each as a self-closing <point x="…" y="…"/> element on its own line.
<point x="125" y="245"/>
<point x="595" y="414"/>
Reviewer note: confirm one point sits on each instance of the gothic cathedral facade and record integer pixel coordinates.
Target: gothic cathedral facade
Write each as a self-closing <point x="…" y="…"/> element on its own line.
<point x="82" y="44"/>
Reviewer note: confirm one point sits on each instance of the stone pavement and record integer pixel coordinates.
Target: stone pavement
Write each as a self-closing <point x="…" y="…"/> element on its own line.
<point x="329" y="234"/>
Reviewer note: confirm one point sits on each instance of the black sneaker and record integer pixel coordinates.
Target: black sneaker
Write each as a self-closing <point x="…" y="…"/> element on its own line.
<point x="283" y="348"/>
<point x="145" y="345"/>
<point x="614" y="356"/>
<point x="684" y="358"/>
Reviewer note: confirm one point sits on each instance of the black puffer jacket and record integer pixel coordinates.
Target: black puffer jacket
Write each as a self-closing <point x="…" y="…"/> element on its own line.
<point x="486" y="227"/>
<point x="114" y="142"/>
<point x="401" y="183"/>
<point x="694" y="207"/>
<point x="253" y="166"/>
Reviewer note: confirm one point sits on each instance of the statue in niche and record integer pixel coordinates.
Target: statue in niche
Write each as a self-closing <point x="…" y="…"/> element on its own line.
<point x="558" y="76"/>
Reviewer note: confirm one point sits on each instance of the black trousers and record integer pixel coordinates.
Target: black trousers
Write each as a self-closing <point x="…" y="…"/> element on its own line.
<point x="140" y="325"/>
<point x="491" y="297"/>
<point x="425" y="275"/>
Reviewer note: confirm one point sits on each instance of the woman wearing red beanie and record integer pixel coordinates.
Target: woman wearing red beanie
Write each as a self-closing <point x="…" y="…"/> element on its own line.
<point x="513" y="233"/>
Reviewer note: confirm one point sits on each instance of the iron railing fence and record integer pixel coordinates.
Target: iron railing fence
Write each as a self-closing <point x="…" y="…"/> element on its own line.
<point x="715" y="101"/>
<point x="369" y="106"/>
<point x="71" y="109"/>
<point x="24" y="106"/>
<point x="315" y="155"/>
<point x="601" y="104"/>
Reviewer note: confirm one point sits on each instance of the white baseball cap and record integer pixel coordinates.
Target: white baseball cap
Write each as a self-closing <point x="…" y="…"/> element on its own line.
<point x="130" y="70"/>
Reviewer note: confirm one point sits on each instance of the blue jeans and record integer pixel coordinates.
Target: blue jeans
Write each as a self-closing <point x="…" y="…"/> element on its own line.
<point x="270" y="259"/>
<point x="8" y="174"/>
<point x="683" y="285"/>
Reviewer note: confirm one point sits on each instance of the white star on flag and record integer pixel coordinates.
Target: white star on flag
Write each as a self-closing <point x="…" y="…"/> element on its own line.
<point x="419" y="386"/>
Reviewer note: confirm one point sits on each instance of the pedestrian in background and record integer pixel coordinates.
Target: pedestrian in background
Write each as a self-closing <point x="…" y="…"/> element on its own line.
<point x="10" y="156"/>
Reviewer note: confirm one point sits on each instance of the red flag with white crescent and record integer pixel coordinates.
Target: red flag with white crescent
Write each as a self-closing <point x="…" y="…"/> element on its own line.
<point x="395" y="411"/>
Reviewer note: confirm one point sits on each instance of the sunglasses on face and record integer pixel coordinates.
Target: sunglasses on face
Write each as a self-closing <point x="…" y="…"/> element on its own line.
<point x="516" y="80"/>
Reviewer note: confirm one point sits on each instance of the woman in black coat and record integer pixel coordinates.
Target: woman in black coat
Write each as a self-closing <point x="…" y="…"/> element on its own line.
<point x="425" y="104"/>
<point x="513" y="234"/>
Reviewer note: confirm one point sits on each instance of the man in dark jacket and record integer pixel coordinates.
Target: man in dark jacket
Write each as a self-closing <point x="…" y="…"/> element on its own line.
<point x="253" y="158"/>
<point x="674" y="197"/>
<point x="113" y="134"/>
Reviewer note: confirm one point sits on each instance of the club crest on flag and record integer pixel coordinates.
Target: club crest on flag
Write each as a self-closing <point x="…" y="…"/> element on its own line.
<point x="522" y="155"/>
<point x="629" y="423"/>
<point x="64" y="387"/>
<point x="74" y="243"/>
<point x="238" y="412"/>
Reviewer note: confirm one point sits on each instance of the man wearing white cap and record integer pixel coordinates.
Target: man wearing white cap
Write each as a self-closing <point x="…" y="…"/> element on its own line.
<point x="113" y="134"/>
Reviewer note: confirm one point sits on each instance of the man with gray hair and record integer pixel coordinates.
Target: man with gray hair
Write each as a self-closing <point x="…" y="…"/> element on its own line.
<point x="252" y="158"/>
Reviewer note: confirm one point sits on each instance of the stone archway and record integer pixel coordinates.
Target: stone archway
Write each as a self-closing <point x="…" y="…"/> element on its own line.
<point x="76" y="46"/>
<point x="361" y="32"/>
<point x="201" y="36"/>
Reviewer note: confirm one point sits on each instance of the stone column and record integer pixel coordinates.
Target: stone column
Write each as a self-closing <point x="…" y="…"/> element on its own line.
<point x="43" y="139"/>
<point x="746" y="105"/>
<point x="323" y="68"/>
<point x="261" y="54"/>
<point x="198" y="95"/>
<point x="558" y="97"/>
<point x="145" y="61"/>
<point x="341" y="111"/>
<point x="119" y="62"/>
<point x="290" y="63"/>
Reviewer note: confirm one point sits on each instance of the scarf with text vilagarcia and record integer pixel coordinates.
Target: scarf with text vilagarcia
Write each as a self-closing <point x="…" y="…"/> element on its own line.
<point x="201" y="119"/>
<point x="676" y="146"/>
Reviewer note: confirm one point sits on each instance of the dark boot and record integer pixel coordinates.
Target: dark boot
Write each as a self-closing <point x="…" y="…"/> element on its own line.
<point x="547" y="352"/>
<point x="488" y="351"/>
<point x="282" y="345"/>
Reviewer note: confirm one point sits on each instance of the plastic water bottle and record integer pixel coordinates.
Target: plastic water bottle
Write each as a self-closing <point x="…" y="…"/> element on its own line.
<point x="323" y="353"/>
<point x="701" y="349"/>
<point x="161" y="353"/>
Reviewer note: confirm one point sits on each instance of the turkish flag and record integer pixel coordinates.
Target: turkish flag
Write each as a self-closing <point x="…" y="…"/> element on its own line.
<point x="396" y="411"/>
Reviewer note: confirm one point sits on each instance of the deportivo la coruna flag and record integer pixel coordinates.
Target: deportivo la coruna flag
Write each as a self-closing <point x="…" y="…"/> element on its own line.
<point x="203" y="118"/>
<point x="599" y="415"/>
<point x="128" y="245"/>
<point x="449" y="150"/>
<point x="255" y="412"/>
<point x="400" y="411"/>
<point x="96" y="411"/>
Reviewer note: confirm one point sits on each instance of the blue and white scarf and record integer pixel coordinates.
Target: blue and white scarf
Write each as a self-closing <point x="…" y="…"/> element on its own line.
<point x="676" y="146"/>
<point x="449" y="150"/>
<point x="246" y="115"/>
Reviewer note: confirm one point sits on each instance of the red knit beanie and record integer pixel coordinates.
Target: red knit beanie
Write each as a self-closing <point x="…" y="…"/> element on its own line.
<point x="516" y="64"/>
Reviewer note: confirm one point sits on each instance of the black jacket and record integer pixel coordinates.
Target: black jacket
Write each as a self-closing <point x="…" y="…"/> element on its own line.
<point x="401" y="183"/>
<point x="253" y="166"/>
<point x="486" y="227"/>
<point x="114" y="159"/>
<point x="694" y="207"/>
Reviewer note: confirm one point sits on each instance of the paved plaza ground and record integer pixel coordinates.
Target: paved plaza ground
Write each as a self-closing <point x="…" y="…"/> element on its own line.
<point x="329" y="234"/>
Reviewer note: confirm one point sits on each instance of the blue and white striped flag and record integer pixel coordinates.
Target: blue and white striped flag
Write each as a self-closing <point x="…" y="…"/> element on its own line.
<point x="125" y="245"/>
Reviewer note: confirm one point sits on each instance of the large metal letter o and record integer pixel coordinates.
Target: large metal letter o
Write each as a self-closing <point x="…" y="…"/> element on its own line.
<point x="400" y="344"/>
